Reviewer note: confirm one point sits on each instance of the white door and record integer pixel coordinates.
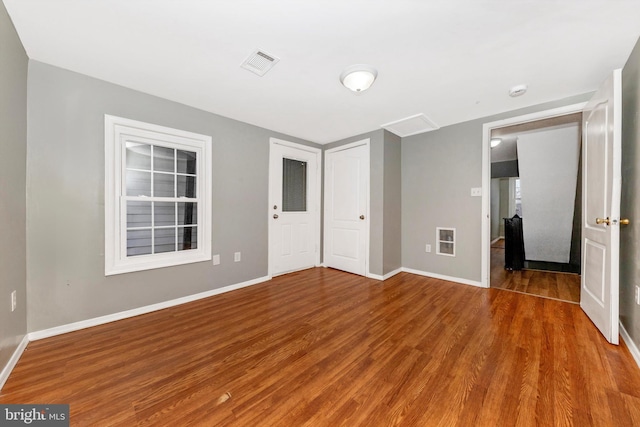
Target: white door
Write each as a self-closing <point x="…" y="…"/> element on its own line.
<point x="294" y="207"/>
<point x="601" y="151"/>
<point x="346" y="235"/>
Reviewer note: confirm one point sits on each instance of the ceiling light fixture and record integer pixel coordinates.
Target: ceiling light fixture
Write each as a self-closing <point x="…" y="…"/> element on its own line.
<point x="359" y="77"/>
<point x="517" y="90"/>
<point x="495" y="142"/>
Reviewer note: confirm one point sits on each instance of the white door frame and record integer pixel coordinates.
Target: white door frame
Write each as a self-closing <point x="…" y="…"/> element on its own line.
<point x="486" y="173"/>
<point x="315" y="203"/>
<point x="367" y="143"/>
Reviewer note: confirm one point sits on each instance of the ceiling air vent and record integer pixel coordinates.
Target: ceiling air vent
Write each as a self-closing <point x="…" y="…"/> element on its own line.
<point x="412" y="125"/>
<point x="259" y="62"/>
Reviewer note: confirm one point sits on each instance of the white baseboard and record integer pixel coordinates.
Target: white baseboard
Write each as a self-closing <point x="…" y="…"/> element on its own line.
<point x="13" y="360"/>
<point x="443" y="277"/>
<point x="386" y="276"/>
<point x="83" y="324"/>
<point x="633" y="349"/>
<point x="496" y="239"/>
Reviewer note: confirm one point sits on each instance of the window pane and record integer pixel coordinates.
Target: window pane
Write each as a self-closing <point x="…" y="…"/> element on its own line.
<point x="186" y="186"/>
<point x="165" y="240"/>
<point x="163" y="185"/>
<point x="186" y="162"/>
<point x="138" y="242"/>
<point x="138" y="214"/>
<point x="187" y="213"/>
<point x="165" y="213"/>
<point x="187" y="238"/>
<point x="138" y="156"/>
<point x="163" y="159"/>
<point x="138" y="183"/>
<point x="294" y="185"/>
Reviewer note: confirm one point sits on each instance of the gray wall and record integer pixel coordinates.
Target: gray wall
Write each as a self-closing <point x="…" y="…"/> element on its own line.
<point x="392" y="211"/>
<point x="384" y="199"/>
<point x="630" y="202"/>
<point x="13" y="153"/>
<point x="438" y="170"/>
<point x="65" y="199"/>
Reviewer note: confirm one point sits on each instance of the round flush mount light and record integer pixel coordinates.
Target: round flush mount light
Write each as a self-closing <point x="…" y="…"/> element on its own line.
<point x="359" y="77"/>
<point x="495" y="142"/>
<point x="517" y="90"/>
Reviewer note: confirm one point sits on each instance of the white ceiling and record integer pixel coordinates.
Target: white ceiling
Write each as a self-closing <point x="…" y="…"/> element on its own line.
<point x="452" y="60"/>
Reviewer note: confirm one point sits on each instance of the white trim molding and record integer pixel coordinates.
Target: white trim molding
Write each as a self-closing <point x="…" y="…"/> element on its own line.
<point x="633" y="349"/>
<point x="13" y="360"/>
<point x="118" y="133"/>
<point x="486" y="174"/>
<point x="386" y="276"/>
<point x="443" y="277"/>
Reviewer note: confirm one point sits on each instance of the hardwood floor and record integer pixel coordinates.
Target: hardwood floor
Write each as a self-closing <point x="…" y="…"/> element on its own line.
<point x="326" y="348"/>
<point x="562" y="286"/>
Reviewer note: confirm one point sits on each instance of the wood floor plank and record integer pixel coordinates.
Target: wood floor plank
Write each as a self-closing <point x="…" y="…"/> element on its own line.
<point x="326" y="348"/>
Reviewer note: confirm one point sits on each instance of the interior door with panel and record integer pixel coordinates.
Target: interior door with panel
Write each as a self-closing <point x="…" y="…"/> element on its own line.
<point x="601" y="222"/>
<point x="294" y="211"/>
<point x="347" y="208"/>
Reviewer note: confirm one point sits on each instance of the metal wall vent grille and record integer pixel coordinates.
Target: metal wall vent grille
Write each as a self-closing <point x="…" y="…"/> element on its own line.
<point x="259" y="62"/>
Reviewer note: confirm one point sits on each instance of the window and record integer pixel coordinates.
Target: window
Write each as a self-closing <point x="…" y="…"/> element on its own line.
<point x="446" y="241"/>
<point x="157" y="196"/>
<point x="294" y="185"/>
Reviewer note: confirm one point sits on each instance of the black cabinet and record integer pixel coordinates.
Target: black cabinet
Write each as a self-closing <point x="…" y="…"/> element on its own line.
<point x="513" y="243"/>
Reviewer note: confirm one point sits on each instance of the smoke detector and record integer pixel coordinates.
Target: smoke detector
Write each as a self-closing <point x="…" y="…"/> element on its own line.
<point x="517" y="90"/>
<point x="259" y="62"/>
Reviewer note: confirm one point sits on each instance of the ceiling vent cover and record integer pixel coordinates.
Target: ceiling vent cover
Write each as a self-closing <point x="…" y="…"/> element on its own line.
<point x="412" y="125"/>
<point x="259" y="62"/>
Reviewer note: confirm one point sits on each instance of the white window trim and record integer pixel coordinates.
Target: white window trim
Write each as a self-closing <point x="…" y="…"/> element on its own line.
<point x="116" y="131"/>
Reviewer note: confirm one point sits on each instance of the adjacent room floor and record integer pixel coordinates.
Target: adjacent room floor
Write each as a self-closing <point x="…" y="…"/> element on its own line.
<point x="326" y="348"/>
<point x="562" y="286"/>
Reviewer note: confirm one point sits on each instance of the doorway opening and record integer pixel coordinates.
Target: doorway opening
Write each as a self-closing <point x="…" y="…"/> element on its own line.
<point x="534" y="196"/>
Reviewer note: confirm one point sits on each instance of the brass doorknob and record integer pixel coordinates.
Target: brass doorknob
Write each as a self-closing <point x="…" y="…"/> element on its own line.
<point x="606" y="221"/>
<point x="624" y="221"/>
<point x="361" y="216"/>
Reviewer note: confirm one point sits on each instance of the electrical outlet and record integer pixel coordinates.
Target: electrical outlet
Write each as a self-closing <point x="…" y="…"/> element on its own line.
<point x="14" y="301"/>
<point x="638" y="295"/>
<point x="476" y="191"/>
<point x="237" y="257"/>
<point x="427" y="248"/>
<point x="216" y="260"/>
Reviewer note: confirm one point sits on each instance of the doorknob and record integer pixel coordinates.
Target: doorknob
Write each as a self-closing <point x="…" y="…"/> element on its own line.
<point x="624" y="221"/>
<point x="605" y="221"/>
<point x="361" y="216"/>
<point x="275" y="216"/>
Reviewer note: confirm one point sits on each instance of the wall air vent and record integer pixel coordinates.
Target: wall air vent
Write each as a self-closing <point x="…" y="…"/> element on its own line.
<point x="412" y="125"/>
<point x="259" y="62"/>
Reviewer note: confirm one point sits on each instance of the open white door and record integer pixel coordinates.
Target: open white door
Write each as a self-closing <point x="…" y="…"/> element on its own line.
<point x="294" y="207"/>
<point x="601" y="156"/>
<point x="346" y="208"/>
